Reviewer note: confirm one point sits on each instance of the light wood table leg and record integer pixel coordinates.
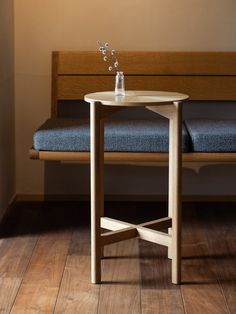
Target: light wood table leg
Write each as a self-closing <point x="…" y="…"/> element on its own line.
<point x="101" y="173"/>
<point x="97" y="155"/>
<point x="175" y="189"/>
<point x="173" y="112"/>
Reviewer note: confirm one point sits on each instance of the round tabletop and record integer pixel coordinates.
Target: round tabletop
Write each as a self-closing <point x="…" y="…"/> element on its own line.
<point x="135" y="98"/>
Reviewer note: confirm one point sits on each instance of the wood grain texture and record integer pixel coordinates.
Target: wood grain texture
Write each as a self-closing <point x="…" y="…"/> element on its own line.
<point x="114" y="224"/>
<point x="175" y="190"/>
<point x="54" y="84"/>
<point x="150" y="63"/>
<point x="154" y="236"/>
<point x="174" y="114"/>
<point x="200" y="290"/>
<point x="135" y="98"/>
<point x="202" y="75"/>
<point x="16" y="247"/>
<point x="120" y="291"/>
<point x="39" y="289"/>
<point x="9" y="287"/>
<point x="158" y="295"/>
<point x="77" y="294"/>
<point x="222" y="249"/>
<point x="136" y="274"/>
<point x="118" y="235"/>
<point x="137" y="158"/>
<point x="197" y="87"/>
<point x="96" y="178"/>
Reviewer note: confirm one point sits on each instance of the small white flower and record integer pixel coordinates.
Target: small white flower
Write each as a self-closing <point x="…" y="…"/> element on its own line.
<point x="108" y="55"/>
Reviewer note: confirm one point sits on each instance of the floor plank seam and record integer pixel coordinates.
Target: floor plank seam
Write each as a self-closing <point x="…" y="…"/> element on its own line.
<point x="216" y="272"/>
<point x="62" y="275"/>
<point x="99" y="299"/>
<point x="140" y="276"/>
<point x="99" y="294"/>
<point x="26" y="269"/>
<point x="182" y="298"/>
<point x="222" y="291"/>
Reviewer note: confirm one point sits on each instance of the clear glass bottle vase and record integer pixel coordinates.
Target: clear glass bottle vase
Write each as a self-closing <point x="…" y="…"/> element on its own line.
<point x="120" y="84"/>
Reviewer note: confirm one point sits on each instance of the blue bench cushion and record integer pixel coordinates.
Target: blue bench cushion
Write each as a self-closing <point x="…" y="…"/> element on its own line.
<point x="120" y="135"/>
<point x="212" y="135"/>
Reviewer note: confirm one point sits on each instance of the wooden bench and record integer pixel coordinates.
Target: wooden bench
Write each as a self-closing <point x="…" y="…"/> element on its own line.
<point x="201" y="75"/>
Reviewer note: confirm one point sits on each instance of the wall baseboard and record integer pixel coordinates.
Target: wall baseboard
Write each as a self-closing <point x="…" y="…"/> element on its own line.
<point x="123" y="198"/>
<point x="111" y="198"/>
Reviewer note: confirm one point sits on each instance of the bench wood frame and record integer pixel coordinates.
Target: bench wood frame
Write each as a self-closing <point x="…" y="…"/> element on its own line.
<point x="201" y="75"/>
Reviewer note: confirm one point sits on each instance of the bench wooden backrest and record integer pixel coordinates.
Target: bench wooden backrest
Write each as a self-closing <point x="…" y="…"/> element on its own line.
<point x="201" y="75"/>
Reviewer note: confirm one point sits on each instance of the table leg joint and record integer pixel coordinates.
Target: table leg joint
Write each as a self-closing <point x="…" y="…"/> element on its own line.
<point x="118" y="235"/>
<point x="148" y="231"/>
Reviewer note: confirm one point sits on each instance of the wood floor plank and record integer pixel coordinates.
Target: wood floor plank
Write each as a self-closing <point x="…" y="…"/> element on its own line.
<point x="16" y="247"/>
<point x="17" y="242"/>
<point x="77" y="294"/>
<point x="15" y="257"/>
<point x="8" y="290"/>
<point x="120" y="289"/>
<point x="221" y="235"/>
<point x="39" y="289"/>
<point x="200" y="290"/>
<point x="158" y="295"/>
<point x="45" y="264"/>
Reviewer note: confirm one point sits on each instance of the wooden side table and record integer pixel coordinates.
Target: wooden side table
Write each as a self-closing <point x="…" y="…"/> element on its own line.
<point x="167" y="104"/>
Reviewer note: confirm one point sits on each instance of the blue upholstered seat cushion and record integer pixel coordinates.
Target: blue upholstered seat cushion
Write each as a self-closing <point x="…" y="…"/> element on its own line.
<point x="212" y="135"/>
<point x="120" y="135"/>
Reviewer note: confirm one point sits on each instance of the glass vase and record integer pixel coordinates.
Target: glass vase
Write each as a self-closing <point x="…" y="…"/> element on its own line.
<point x="120" y="84"/>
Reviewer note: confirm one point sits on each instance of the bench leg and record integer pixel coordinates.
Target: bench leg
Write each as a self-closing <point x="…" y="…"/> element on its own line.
<point x="175" y="181"/>
<point x="97" y="155"/>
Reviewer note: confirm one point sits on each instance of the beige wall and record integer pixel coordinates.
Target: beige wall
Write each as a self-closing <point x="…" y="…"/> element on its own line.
<point x="7" y="153"/>
<point x="42" y="26"/>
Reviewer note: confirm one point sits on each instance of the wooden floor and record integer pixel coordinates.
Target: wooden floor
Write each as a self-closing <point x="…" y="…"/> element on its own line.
<point x="45" y="262"/>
